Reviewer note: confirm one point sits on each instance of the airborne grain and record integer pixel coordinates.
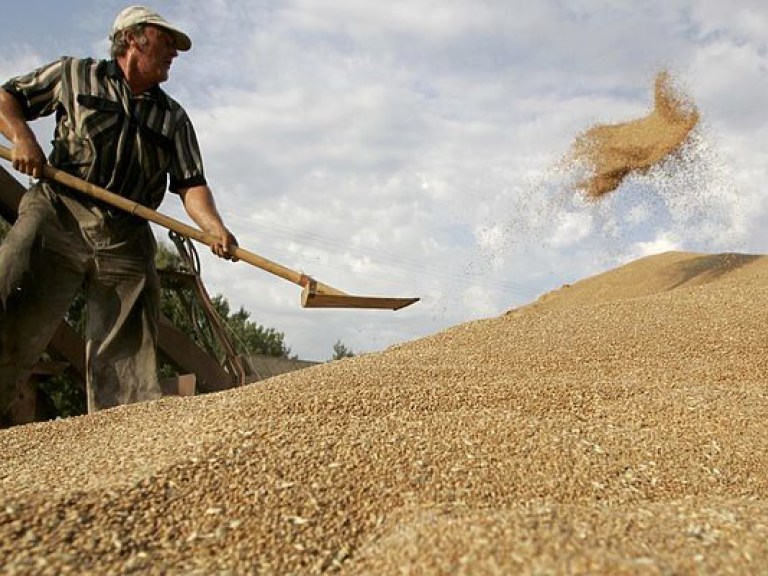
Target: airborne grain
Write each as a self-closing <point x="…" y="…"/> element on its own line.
<point x="611" y="152"/>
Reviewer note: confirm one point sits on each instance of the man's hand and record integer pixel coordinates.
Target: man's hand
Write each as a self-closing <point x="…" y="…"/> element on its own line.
<point x="225" y="245"/>
<point x="28" y="157"/>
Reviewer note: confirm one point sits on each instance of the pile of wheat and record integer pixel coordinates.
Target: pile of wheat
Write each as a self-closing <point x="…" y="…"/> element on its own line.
<point x="615" y="426"/>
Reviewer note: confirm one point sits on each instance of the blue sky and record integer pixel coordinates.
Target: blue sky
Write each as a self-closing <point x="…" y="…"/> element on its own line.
<point x="413" y="147"/>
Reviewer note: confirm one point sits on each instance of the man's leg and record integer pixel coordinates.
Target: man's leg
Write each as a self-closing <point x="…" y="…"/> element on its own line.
<point x="28" y="323"/>
<point x="40" y="277"/>
<point x="123" y="311"/>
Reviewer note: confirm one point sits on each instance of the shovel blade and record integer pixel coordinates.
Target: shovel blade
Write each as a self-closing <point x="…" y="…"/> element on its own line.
<point x="313" y="299"/>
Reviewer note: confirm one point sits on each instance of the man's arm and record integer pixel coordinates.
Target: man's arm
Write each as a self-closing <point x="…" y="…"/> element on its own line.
<point x="201" y="207"/>
<point x="28" y="156"/>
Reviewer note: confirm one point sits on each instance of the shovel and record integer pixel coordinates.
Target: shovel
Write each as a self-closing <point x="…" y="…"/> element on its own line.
<point x="314" y="294"/>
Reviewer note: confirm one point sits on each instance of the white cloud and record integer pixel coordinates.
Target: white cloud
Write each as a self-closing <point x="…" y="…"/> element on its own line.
<point x="664" y="243"/>
<point x="18" y="60"/>
<point x="412" y="147"/>
<point x="746" y="21"/>
<point x="572" y="228"/>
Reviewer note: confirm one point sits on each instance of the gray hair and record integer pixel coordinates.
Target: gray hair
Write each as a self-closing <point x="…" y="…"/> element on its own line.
<point x="120" y="44"/>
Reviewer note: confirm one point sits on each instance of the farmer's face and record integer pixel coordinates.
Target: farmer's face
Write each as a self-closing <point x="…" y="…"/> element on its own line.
<point x="156" y="54"/>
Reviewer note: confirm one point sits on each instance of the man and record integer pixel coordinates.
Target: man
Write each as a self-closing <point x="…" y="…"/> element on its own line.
<point x="116" y="128"/>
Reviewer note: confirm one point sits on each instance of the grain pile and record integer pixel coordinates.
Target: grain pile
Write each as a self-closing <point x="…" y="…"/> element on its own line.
<point x="611" y="152"/>
<point x="617" y="426"/>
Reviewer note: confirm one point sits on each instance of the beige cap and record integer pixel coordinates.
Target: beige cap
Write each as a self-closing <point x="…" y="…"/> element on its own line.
<point x="134" y="15"/>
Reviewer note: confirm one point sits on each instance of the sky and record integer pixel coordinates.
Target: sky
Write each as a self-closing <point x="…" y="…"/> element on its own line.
<point x="414" y="148"/>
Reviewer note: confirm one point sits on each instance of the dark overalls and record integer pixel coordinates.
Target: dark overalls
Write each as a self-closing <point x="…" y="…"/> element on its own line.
<point x="62" y="243"/>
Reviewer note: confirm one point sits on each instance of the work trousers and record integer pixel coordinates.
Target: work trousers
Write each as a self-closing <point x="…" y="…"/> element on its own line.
<point x="57" y="247"/>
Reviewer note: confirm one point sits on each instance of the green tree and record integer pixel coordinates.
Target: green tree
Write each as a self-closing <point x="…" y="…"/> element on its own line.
<point x="341" y="351"/>
<point x="252" y="337"/>
<point x="181" y="306"/>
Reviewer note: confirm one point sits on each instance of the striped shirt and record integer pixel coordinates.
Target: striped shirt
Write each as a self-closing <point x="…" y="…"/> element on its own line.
<point x="130" y="145"/>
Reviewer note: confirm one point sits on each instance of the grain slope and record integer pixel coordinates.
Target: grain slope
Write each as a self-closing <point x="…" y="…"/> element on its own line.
<point x="615" y="426"/>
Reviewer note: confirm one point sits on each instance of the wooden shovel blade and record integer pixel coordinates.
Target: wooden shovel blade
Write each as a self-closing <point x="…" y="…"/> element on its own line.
<point x="314" y="299"/>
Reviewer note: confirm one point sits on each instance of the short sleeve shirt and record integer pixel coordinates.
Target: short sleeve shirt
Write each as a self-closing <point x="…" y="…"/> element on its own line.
<point x="130" y="145"/>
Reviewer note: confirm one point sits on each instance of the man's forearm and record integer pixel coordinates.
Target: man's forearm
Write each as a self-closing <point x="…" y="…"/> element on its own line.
<point x="28" y="156"/>
<point x="12" y="122"/>
<point x="201" y="207"/>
